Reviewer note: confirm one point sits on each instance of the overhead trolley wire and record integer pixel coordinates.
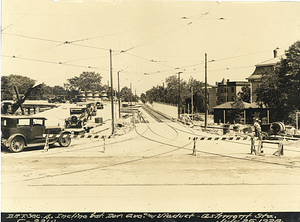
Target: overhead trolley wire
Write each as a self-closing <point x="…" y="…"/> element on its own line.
<point x="214" y="60"/>
<point x="155" y="38"/>
<point x="56" y="63"/>
<point x="19" y="19"/>
<point x="117" y="33"/>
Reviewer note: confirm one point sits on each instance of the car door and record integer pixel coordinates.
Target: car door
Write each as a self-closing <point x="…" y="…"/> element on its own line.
<point x="23" y="127"/>
<point x="37" y="129"/>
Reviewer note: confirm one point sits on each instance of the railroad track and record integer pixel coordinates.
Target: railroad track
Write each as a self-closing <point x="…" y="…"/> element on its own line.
<point x="158" y="116"/>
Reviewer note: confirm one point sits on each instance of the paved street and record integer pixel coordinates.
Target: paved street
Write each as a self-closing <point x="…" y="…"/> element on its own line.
<point x="151" y="169"/>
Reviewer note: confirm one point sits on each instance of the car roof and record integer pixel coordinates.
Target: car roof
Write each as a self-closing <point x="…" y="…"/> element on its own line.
<point x="21" y="117"/>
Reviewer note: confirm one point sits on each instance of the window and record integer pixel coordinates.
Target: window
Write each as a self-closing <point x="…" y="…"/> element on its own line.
<point x="23" y="122"/>
<point x="3" y="122"/>
<point x="232" y="89"/>
<point x="37" y="122"/>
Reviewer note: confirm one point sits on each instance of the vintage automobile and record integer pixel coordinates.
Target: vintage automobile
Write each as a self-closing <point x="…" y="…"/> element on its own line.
<point x="78" y="117"/>
<point x="99" y="105"/>
<point x="17" y="132"/>
<point x="57" y="99"/>
<point x="92" y="108"/>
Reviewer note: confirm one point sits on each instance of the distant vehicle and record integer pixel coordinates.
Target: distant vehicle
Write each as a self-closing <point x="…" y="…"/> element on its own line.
<point x="78" y="117"/>
<point x="19" y="131"/>
<point x="91" y="108"/>
<point x="99" y="105"/>
<point x="77" y="99"/>
<point x="57" y="99"/>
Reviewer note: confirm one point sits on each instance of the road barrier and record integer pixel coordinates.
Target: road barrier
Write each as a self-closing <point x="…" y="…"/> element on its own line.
<point x="221" y="138"/>
<point x="80" y="136"/>
<point x="253" y="150"/>
<point x="279" y="152"/>
<point x="48" y="136"/>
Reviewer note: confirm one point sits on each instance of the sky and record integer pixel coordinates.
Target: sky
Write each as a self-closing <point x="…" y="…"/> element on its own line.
<point x="51" y="41"/>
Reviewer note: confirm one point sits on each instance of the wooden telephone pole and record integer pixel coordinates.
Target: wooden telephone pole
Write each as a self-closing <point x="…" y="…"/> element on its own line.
<point x="205" y="101"/>
<point x="112" y="96"/>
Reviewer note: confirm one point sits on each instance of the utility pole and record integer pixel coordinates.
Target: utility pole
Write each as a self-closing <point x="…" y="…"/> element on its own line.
<point x="112" y="96"/>
<point x="119" y="96"/>
<point x="131" y="95"/>
<point x="192" y="103"/>
<point x="179" y="99"/>
<point x="164" y="92"/>
<point x="205" y="101"/>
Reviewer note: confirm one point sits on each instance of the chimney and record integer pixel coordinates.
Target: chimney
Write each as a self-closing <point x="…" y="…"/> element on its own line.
<point x="275" y="52"/>
<point x="227" y="80"/>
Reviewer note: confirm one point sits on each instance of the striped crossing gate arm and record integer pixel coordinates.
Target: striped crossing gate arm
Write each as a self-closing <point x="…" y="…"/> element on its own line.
<point x="223" y="138"/>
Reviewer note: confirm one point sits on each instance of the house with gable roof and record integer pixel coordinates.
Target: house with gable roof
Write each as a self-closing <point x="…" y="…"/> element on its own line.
<point x="255" y="79"/>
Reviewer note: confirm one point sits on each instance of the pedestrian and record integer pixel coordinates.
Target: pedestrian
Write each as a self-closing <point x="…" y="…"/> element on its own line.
<point x="257" y="128"/>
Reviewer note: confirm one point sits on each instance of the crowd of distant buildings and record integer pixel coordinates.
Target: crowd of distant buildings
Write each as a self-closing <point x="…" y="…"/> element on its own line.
<point x="226" y="90"/>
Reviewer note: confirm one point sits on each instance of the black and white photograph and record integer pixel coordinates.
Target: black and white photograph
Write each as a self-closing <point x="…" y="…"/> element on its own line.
<point x="150" y="110"/>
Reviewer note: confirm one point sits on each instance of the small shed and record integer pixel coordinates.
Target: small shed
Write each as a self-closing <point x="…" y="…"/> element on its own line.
<point x="223" y="113"/>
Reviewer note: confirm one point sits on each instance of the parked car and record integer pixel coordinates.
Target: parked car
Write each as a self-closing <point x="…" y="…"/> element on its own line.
<point x="78" y="99"/>
<point x="19" y="131"/>
<point x="57" y="99"/>
<point x="99" y="105"/>
<point x="78" y="117"/>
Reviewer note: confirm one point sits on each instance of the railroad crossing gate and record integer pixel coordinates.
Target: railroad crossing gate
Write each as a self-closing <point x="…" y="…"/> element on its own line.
<point x="253" y="149"/>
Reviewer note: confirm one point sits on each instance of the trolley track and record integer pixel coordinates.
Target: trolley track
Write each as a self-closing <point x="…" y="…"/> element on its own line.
<point x="163" y="143"/>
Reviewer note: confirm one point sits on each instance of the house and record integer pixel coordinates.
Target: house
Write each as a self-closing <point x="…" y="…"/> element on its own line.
<point x="262" y="68"/>
<point x="224" y="113"/>
<point x="212" y="97"/>
<point x="227" y="90"/>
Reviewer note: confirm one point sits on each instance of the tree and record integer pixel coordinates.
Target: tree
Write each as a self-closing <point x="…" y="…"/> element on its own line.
<point x="198" y="94"/>
<point x="245" y="94"/>
<point x="280" y="88"/>
<point x="59" y="90"/>
<point x="87" y="81"/>
<point x="288" y="71"/>
<point x="143" y="98"/>
<point x="237" y="109"/>
<point x="126" y="94"/>
<point x="23" y="83"/>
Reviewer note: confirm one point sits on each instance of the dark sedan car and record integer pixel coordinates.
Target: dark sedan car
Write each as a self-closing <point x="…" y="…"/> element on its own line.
<point x="19" y="131"/>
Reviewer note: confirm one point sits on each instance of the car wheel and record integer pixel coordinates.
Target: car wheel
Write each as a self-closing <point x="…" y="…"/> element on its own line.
<point x="64" y="140"/>
<point x="17" y="144"/>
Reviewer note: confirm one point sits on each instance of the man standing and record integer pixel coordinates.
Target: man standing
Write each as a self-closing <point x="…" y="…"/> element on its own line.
<point x="257" y="128"/>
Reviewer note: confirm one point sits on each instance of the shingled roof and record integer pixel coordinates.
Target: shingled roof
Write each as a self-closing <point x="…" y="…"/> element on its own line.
<point x="227" y="105"/>
<point x="257" y="74"/>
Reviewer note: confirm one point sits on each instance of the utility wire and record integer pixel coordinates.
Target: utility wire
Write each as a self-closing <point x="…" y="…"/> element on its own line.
<point x="19" y="19"/>
<point x="56" y="63"/>
<point x="155" y="38"/>
<point x="117" y="33"/>
<point x="214" y="60"/>
<point x="55" y="41"/>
